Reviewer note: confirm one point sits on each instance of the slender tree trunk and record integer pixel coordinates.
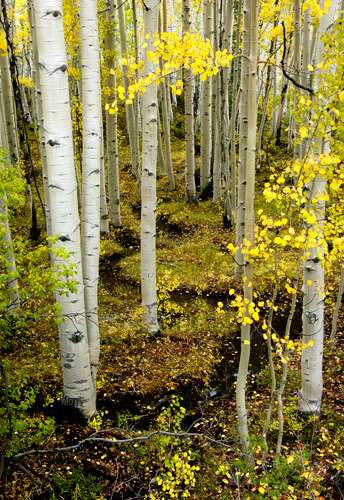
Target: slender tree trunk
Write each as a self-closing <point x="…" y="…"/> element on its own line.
<point x="148" y="187"/>
<point x="234" y="112"/>
<point x="111" y="120"/>
<point x="217" y="164"/>
<point x="251" y="33"/>
<point x="131" y="119"/>
<point x="79" y="390"/>
<point x="38" y="98"/>
<point x="313" y="268"/>
<point x="91" y="155"/>
<point x="206" y="126"/>
<point x="190" y="186"/>
<point x="165" y="115"/>
<point x="6" y="239"/>
<point x="243" y="131"/>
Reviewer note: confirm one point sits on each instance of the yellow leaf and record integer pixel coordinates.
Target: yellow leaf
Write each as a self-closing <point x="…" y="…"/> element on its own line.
<point x="310" y="67"/>
<point x="303" y="132"/>
<point x="261" y="490"/>
<point x="290" y="459"/>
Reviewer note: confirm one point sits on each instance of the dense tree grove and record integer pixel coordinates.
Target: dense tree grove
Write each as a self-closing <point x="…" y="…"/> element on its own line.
<point x="171" y="181"/>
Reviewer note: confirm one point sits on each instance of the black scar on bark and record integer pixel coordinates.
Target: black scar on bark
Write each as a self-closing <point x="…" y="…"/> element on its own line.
<point x="69" y="411"/>
<point x="64" y="237"/>
<point x="53" y="143"/>
<point x="76" y="337"/>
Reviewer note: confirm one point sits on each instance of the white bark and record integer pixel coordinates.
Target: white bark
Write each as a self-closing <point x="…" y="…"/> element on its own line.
<point x="131" y="119"/>
<point x="9" y="109"/>
<point x="250" y="38"/>
<point x="7" y="245"/>
<point x="103" y="208"/>
<point x="206" y="126"/>
<point x="79" y="391"/>
<point x="313" y="308"/>
<point x="91" y="127"/>
<point x="217" y="164"/>
<point x="190" y="186"/>
<point x="165" y="104"/>
<point x="243" y="131"/>
<point x="111" y="121"/>
<point x="148" y="187"/>
<point x="314" y="272"/>
<point x="38" y="99"/>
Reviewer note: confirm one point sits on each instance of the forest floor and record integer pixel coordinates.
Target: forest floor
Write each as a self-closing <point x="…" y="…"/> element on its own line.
<point x="181" y="381"/>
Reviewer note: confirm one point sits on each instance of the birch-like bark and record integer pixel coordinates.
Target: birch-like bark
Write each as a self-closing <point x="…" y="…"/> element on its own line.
<point x="164" y="86"/>
<point x="297" y="65"/>
<point x="91" y="143"/>
<point x="313" y="306"/>
<point x="38" y="99"/>
<point x="79" y="391"/>
<point x="132" y="126"/>
<point x="206" y="114"/>
<point x="7" y="244"/>
<point x="225" y="123"/>
<point x="148" y="186"/>
<point x="217" y="164"/>
<point x="250" y="39"/>
<point x="111" y="120"/>
<point x="9" y="110"/>
<point x="190" y="185"/>
<point x="243" y="131"/>
<point x="234" y="112"/>
<point x="103" y="207"/>
<point x="313" y="269"/>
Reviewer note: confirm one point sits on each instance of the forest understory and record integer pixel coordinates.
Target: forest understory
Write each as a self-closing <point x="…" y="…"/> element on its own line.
<point x="180" y="382"/>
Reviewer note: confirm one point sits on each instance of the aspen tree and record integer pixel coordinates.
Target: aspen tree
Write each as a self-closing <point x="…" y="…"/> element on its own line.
<point x="103" y="208"/>
<point x="313" y="269"/>
<point x="243" y="126"/>
<point x="91" y="142"/>
<point x="148" y="180"/>
<point x="190" y="186"/>
<point x="250" y="39"/>
<point x="217" y="106"/>
<point x="111" y="119"/>
<point x="234" y="112"/>
<point x="131" y="118"/>
<point x="227" y="43"/>
<point x="6" y="238"/>
<point x="206" y="126"/>
<point x="164" y="86"/>
<point x="9" y="109"/>
<point x="78" y="387"/>
<point x="297" y="62"/>
<point x="38" y="99"/>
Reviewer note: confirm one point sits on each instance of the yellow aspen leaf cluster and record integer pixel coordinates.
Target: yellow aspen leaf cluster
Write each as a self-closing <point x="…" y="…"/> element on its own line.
<point x="176" y="52"/>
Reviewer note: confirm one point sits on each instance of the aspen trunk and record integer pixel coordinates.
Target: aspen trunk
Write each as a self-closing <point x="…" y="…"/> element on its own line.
<point x="250" y="38"/>
<point x="206" y="114"/>
<point x="111" y="120"/>
<point x="79" y="390"/>
<point x="148" y="186"/>
<point x="190" y="186"/>
<point x="91" y="133"/>
<point x="131" y="119"/>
